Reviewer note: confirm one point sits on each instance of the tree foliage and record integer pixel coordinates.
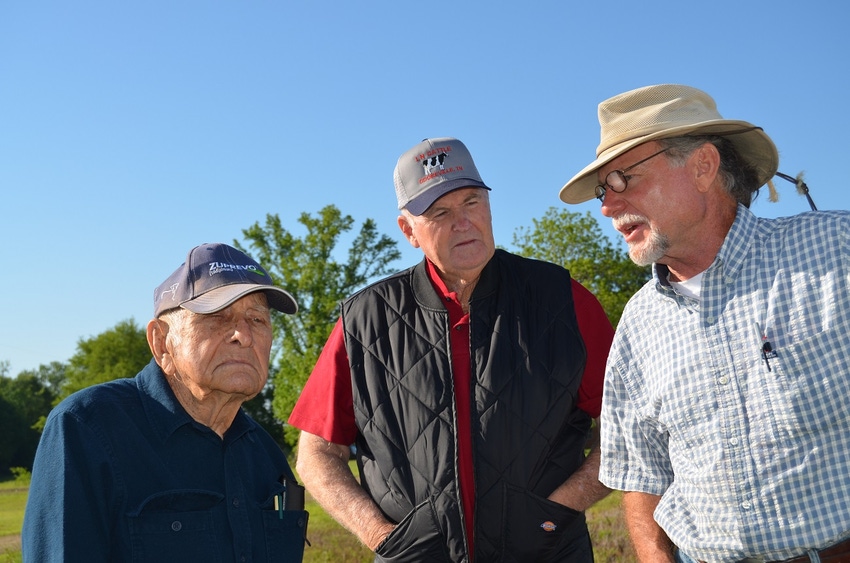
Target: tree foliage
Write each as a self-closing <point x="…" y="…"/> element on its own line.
<point x="24" y="401"/>
<point x="309" y="269"/>
<point x="121" y="351"/>
<point x="576" y="242"/>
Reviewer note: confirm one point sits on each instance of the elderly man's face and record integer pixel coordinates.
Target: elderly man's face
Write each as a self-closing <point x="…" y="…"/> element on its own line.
<point x="225" y="353"/>
<point x="658" y="210"/>
<point x="455" y="233"/>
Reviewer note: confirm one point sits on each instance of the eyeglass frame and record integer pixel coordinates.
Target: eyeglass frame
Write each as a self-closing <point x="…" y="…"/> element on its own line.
<point x="600" y="189"/>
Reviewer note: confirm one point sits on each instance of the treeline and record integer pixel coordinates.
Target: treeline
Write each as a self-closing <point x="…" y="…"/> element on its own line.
<point x="307" y="266"/>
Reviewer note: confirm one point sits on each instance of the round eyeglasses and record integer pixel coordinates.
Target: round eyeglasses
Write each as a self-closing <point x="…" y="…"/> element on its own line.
<point x="617" y="181"/>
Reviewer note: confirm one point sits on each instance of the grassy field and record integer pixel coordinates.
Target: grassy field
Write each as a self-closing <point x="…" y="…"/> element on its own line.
<point x="13" y="497"/>
<point x="331" y="543"/>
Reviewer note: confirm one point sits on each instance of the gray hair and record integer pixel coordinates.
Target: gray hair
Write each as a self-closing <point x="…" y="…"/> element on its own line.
<point x="175" y="319"/>
<point x="738" y="176"/>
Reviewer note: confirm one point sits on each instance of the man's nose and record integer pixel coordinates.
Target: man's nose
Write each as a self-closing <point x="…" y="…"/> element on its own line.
<point x="612" y="204"/>
<point x="243" y="332"/>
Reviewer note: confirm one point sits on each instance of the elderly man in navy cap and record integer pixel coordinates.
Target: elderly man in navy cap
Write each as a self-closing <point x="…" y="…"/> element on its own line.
<point x="167" y="466"/>
<point x="468" y="384"/>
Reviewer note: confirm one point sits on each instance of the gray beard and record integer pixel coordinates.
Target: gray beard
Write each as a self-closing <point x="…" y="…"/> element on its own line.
<point x="651" y="251"/>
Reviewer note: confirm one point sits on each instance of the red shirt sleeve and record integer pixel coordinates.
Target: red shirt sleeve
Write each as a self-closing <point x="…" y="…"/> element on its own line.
<point x="597" y="333"/>
<point x="326" y="405"/>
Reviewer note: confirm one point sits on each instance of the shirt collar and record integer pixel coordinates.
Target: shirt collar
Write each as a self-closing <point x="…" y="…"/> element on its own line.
<point x="164" y="411"/>
<point x="438" y="283"/>
<point x="738" y="244"/>
<point x="732" y="253"/>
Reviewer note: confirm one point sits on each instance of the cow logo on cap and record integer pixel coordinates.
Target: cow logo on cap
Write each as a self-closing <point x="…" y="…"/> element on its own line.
<point x="435" y="161"/>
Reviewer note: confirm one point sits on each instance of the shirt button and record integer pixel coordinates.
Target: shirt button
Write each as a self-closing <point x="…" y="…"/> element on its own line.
<point x="733" y="441"/>
<point x="177" y="525"/>
<point x="746" y="505"/>
<point x="236" y="503"/>
<point x="723" y="380"/>
<point x="709" y="320"/>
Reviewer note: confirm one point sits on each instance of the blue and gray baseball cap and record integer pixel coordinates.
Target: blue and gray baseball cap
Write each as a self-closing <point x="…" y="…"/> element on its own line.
<point x="432" y="169"/>
<point x="212" y="278"/>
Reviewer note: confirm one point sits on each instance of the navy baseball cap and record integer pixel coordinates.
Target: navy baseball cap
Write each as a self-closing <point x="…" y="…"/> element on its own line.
<point x="212" y="278"/>
<point x="432" y="169"/>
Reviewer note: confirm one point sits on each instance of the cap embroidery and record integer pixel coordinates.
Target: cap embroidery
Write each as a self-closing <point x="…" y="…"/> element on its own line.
<point x="172" y="290"/>
<point x="436" y="161"/>
<point x="219" y="267"/>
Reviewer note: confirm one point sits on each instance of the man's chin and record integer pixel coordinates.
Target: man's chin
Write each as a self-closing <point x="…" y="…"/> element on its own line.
<point x="643" y="256"/>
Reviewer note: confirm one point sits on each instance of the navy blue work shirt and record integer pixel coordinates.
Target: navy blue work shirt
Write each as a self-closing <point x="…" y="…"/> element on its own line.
<point x="123" y="473"/>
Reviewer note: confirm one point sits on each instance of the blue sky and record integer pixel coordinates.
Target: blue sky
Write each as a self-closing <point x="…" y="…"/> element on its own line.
<point x="133" y="131"/>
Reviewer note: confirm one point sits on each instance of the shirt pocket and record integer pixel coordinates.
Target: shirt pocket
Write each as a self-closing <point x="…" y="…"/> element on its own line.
<point x="810" y="383"/>
<point x="285" y="531"/>
<point x="176" y="526"/>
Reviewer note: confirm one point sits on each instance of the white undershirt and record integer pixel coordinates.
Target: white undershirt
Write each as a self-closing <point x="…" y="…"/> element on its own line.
<point x="690" y="287"/>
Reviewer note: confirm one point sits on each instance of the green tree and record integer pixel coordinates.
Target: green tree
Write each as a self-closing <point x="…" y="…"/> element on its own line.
<point x="121" y="351"/>
<point x="576" y="242"/>
<point x="308" y="268"/>
<point x="24" y="400"/>
<point x="52" y="377"/>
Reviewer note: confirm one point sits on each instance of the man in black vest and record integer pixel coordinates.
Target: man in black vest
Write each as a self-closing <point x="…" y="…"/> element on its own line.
<point x="468" y="384"/>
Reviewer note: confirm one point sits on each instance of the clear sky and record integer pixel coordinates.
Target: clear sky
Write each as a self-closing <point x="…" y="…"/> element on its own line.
<point x="133" y="131"/>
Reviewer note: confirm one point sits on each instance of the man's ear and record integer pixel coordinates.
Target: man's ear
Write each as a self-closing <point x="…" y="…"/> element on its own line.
<point x="706" y="162"/>
<point x="157" y="333"/>
<point x="407" y="229"/>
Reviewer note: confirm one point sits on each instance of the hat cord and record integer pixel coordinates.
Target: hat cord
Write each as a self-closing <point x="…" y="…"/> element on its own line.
<point x="802" y="188"/>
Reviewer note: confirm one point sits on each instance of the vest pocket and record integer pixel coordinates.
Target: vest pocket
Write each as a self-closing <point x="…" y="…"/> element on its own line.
<point x="416" y="539"/>
<point x="535" y="528"/>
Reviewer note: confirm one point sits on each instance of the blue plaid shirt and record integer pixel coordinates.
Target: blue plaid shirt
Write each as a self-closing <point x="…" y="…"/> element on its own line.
<point x="749" y="448"/>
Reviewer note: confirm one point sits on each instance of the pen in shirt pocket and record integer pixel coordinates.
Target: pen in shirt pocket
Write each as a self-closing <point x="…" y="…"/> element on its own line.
<point x="767" y="351"/>
<point x="292" y="497"/>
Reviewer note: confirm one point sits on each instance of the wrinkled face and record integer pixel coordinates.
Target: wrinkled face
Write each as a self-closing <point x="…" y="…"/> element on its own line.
<point x="222" y="353"/>
<point x="657" y="208"/>
<point x="455" y="233"/>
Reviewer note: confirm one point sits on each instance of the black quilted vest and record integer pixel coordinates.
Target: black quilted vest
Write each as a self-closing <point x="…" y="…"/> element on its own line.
<point x="527" y="361"/>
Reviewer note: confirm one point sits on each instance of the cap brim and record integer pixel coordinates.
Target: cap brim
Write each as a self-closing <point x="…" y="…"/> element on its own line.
<point x="750" y="141"/>
<point x="221" y="297"/>
<point x="419" y="205"/>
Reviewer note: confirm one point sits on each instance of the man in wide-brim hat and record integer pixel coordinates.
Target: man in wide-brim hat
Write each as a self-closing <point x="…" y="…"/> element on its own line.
<point x="724" y="415"/>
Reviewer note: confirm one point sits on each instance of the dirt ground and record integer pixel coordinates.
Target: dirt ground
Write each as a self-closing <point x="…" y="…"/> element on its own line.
<point x="10" y="543"/>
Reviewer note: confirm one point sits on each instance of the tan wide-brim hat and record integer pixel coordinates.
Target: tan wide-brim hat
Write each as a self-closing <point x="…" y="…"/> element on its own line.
<point x="663" y="111"/>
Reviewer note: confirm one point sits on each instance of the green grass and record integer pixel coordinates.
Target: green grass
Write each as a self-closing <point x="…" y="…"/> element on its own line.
<point x="13" y="498"/>
<point x="331" y="543"/>
<point x="611" y="542"/>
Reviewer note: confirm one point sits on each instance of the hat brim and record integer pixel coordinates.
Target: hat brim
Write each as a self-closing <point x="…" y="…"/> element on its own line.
<point x="419" y="205"/>
<point x="750" y="141"/>
<point x="221" y="297"/>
